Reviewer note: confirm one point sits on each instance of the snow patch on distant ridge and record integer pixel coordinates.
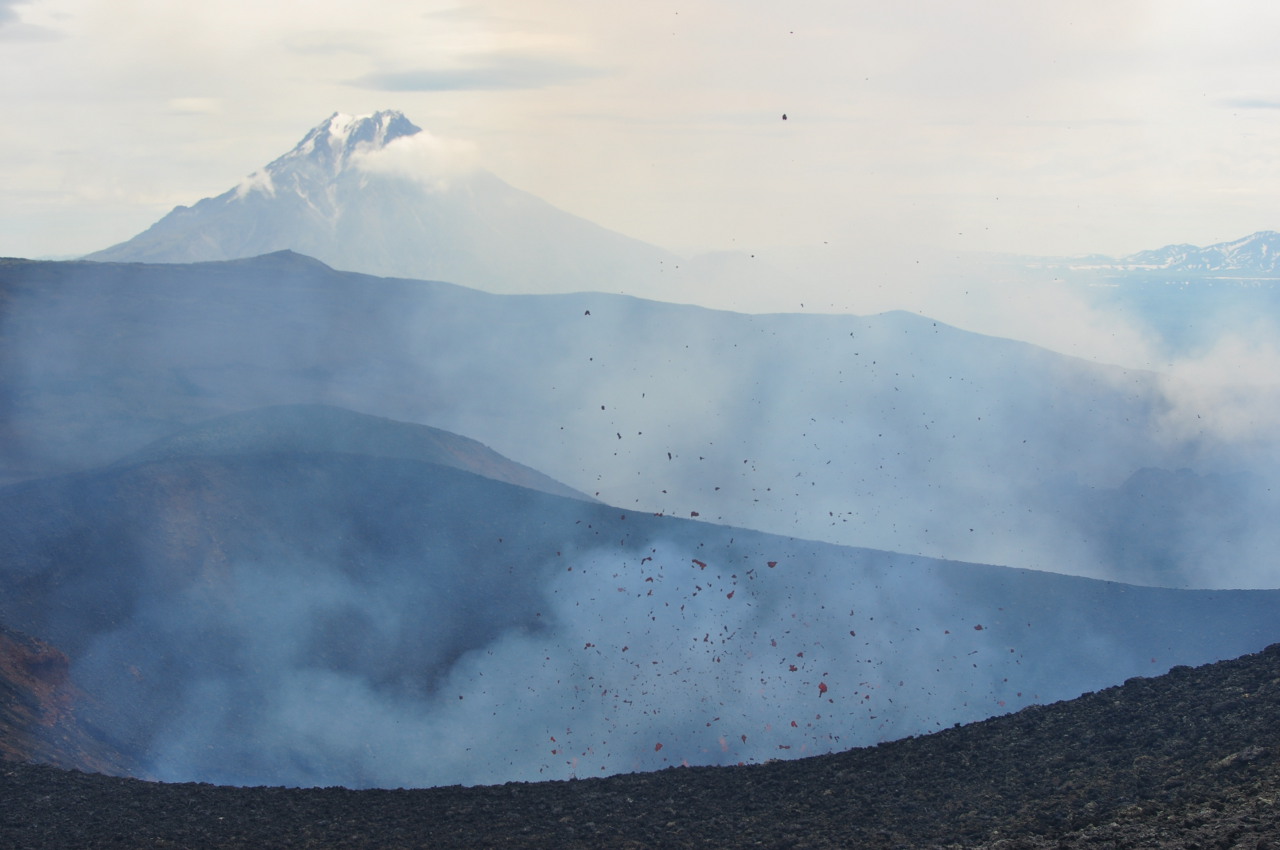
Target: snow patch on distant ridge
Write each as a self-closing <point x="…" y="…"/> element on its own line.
<point x="1257" y="253"/>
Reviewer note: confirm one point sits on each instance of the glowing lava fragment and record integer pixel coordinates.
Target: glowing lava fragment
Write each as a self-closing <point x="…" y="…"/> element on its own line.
<point x="773" y="564"/>
<point x="693" y="513"/>
<point x="701" y="564"/>
<point x="822" y="687"/>
<point x="657" y="747"/>
<point x="795" y="725"/>
<point x="729" y="595"/>
<point x="977" y="628"/>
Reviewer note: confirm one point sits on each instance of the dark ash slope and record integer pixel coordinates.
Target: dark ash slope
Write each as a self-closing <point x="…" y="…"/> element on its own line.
<point x="1188" y="759"/>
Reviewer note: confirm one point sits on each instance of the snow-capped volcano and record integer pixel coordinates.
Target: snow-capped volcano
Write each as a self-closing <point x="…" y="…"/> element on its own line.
<point x="377" y="194"/>
<point x="336" y="139"/>
<point x="329" y="147"/>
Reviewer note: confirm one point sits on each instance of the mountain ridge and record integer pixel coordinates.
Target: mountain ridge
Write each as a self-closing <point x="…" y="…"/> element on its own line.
<point x="1258" y="253"/>
<point x="311" y="428"/>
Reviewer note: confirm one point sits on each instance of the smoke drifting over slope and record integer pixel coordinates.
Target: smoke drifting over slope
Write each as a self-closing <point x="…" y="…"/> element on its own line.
<point x="890" y="431"/>
<point x="320" y="618"/>
<point x="319" y="612"/>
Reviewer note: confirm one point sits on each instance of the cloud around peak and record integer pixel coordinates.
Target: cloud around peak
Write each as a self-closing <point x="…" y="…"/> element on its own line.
<point x="428" y="159"/>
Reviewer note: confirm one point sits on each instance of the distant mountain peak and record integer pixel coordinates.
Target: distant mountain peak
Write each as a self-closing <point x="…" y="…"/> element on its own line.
<point x="336" y="138"/>
<point x="327" y="149"/>
<point x="377" y="194"/>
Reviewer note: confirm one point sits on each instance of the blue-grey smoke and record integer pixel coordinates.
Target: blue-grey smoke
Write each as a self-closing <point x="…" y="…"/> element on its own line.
<point x="315" y="620"/>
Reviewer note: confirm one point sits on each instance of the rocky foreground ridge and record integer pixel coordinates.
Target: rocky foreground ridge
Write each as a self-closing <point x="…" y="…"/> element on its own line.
<point x="1188" y="759"/>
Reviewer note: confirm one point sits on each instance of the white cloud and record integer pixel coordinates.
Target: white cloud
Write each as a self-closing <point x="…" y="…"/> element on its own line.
<point x="15" y="27"/>
<point x="490" y="73"/>
<point x="7" y="13"/>
<point x="258" y="181"/>
<point x="426" y="158"/>
<point x="196" y="105"/>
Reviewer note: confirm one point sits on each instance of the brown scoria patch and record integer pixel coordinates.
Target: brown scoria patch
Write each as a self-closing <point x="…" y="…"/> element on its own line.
<point x="38" y="702"/>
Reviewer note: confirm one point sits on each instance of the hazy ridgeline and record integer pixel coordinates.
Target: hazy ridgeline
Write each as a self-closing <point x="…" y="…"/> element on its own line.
<point x="891" y="431"/>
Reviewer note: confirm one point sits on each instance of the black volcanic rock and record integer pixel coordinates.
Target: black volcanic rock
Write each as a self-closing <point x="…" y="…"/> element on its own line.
<point x="1189" y="759"/>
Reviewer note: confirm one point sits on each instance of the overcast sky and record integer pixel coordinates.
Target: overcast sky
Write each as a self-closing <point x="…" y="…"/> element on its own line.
<point x="1050" y="128"/>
